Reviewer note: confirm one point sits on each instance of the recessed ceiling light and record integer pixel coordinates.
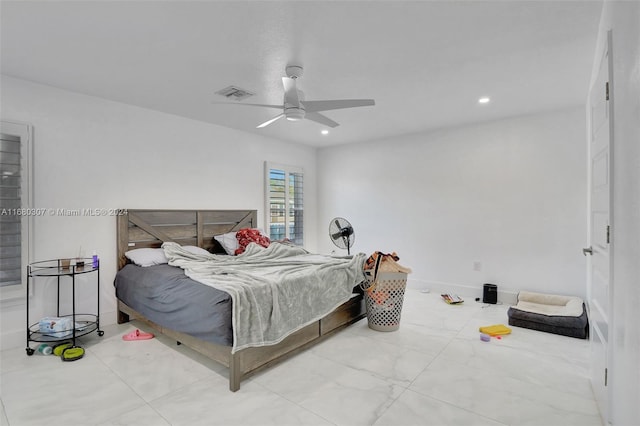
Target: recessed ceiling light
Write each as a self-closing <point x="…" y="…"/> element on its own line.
<point x="484" y="100"/>
<point x="325" y="132"/>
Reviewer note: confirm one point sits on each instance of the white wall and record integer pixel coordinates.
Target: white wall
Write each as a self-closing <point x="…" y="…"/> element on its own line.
<point x="623" y="19"/>
<point x="93" y="153"/>
<point x="510" y="194"/>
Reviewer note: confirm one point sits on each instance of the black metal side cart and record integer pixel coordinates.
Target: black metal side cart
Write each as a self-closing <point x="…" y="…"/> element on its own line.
<point x="74" y="324"/>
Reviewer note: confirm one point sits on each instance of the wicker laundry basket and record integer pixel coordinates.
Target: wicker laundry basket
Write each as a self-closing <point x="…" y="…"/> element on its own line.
<point x="384" y="294"/>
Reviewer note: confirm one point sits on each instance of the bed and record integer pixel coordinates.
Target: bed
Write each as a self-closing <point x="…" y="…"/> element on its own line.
<point x="197" y="315"/>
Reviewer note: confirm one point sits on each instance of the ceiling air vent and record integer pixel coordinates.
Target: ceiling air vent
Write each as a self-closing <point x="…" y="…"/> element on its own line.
<point x="234" y="93"/>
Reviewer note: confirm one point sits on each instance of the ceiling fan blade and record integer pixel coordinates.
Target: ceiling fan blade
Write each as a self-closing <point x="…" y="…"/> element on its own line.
<point x="290" y="91"/>
<point x="239" y="103"/>
<point x="322" y="119"/>
<point x="266" y="123"/>
<point x="315" y="106"/>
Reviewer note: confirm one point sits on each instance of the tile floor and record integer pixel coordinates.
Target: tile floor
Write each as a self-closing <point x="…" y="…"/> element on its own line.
<point x="433" y="371"/>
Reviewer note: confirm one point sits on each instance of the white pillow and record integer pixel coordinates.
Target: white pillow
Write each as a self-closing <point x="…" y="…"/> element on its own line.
<point x="228" y="241"/>
<point x="195" y="250"/>
<point x="147" y="256"/>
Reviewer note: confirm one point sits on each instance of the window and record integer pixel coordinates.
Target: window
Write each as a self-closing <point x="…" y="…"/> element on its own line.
<point x="284" y="202"/>
<point x="15" y="207"/>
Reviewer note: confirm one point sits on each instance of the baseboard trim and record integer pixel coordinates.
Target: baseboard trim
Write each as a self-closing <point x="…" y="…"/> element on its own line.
<point x="13" y="339"/>
<point x="506" y="296"/>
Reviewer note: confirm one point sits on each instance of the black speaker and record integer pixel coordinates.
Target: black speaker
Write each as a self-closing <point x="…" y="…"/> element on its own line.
<point x="490" y="294"/>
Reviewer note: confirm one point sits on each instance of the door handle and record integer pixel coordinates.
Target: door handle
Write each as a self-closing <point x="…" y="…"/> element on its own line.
<point x="587" y="250"/>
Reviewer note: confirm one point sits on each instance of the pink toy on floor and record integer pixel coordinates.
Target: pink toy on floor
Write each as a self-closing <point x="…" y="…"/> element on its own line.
<point x="137" y="335"/>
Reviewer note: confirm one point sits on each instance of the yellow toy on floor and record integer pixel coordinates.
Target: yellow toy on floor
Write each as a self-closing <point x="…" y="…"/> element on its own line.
<point x="495" y="330"/>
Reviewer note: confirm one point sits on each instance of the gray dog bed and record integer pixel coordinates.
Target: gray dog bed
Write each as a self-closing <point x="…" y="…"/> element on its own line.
<point x="565" y="315"/>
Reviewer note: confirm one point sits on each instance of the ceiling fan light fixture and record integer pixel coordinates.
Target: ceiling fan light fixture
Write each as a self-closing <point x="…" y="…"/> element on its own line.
<point x="484" y="100"/>
<point x="294" y="114"/>
<point x="324" y="132"/>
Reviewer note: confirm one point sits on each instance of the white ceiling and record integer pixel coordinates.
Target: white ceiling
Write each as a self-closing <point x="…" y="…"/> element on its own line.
<point x="424" y="62"/>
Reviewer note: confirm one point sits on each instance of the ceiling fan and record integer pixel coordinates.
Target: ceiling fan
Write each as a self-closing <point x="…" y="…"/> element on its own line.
<point x="296" y="108"/>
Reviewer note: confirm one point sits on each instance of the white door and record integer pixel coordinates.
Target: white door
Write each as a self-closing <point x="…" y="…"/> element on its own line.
<point x="599" y="230"/>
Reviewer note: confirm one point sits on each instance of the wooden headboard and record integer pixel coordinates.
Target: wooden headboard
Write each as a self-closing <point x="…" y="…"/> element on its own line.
<point x="150" y="228"/>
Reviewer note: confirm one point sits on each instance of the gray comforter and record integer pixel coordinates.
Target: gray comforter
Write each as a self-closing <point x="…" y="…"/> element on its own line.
<point x="276" y="290"/>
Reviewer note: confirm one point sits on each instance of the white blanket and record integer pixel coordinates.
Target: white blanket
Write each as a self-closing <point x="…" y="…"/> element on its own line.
<point x="275" y="291"/>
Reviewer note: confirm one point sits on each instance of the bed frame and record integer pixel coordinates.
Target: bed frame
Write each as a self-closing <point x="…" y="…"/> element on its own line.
<point x="150" y="228"/>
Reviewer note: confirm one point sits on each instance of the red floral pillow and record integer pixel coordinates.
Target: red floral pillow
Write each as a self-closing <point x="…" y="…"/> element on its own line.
<point x="250" y="235"/>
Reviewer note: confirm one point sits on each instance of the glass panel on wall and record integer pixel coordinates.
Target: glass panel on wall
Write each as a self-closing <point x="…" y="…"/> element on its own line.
<point x="285" y="189"/>
<point x="10" y="206"/>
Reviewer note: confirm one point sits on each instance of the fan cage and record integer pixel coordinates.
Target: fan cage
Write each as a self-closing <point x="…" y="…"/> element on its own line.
<point x="337" y="234"/>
